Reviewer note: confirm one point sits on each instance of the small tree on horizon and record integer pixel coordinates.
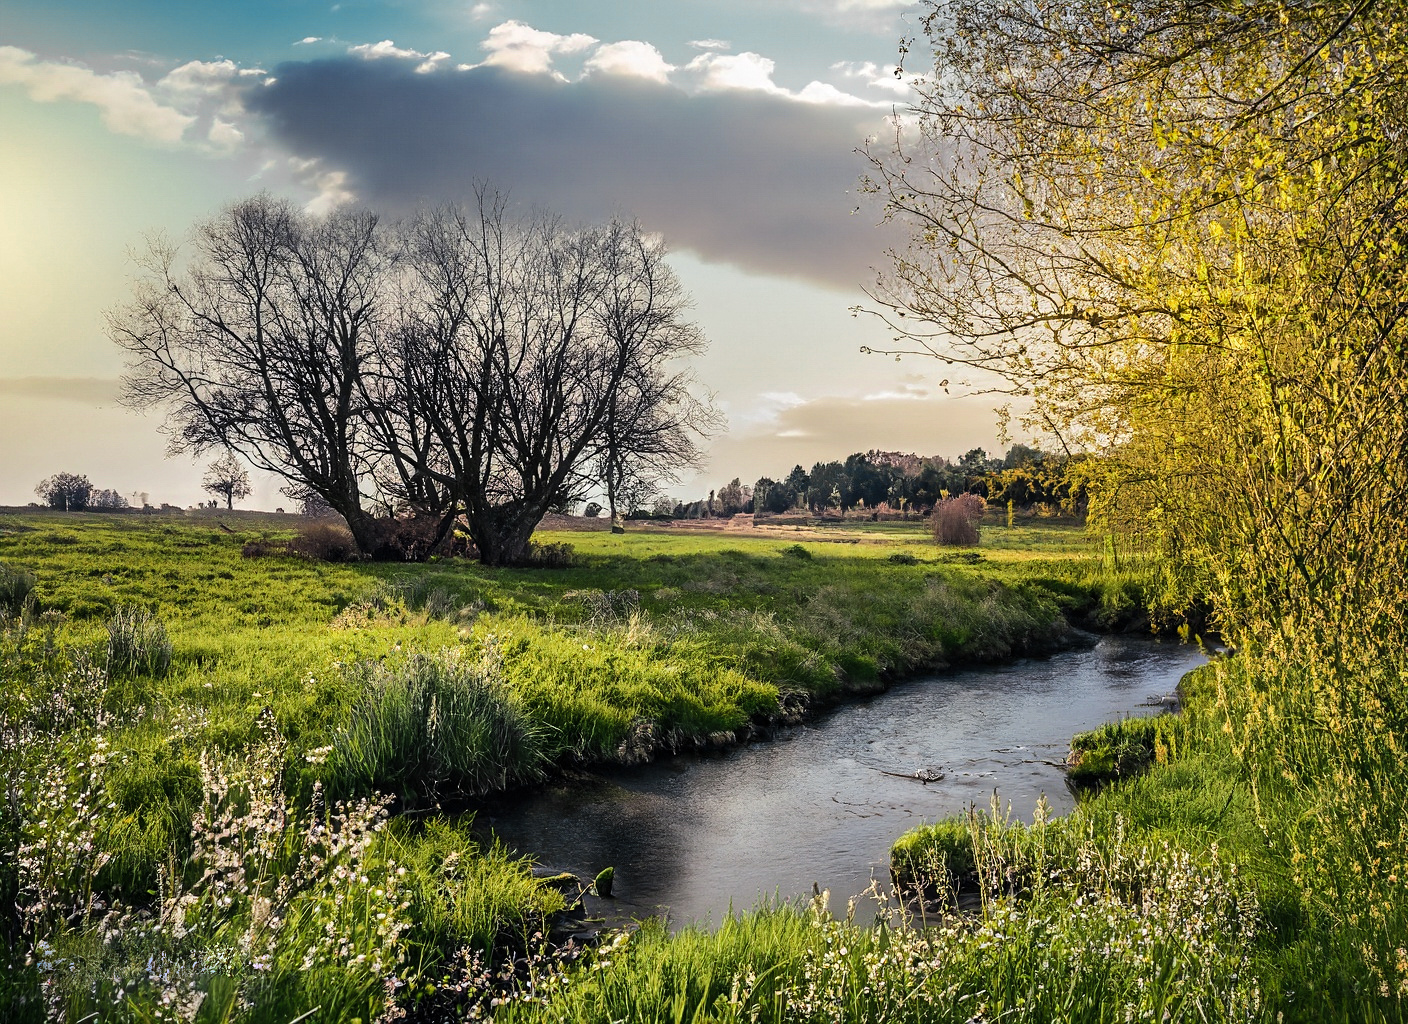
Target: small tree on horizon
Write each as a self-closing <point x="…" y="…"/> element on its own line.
<point x="227" y="478"/>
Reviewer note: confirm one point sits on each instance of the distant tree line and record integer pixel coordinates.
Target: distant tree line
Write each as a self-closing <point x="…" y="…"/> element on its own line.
<point x="464" y="365"/>
<point x="880" y="481"/>
<point x="73" y="492"/>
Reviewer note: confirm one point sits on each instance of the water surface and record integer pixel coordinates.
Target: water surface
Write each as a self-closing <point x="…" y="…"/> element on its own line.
<point x="694" y="835"/>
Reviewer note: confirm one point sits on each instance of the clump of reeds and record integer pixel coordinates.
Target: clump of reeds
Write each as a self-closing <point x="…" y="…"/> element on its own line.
<point x="433" y="723"/>
<point x="137" y="643"/>
<point x="955" y="520"/>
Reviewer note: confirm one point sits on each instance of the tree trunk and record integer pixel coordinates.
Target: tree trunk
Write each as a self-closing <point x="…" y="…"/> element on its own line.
<point x="616" y="526"/>
<point x="502" y="536"/>
<point x="230" y="501"/>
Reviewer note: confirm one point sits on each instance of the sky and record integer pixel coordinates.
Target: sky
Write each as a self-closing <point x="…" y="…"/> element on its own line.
<point x="731" y="127"/>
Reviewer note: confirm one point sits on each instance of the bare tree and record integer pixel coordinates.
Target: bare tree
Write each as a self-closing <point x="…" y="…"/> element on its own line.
<point x="227" y="478"/>
<point x="652" y="416"/>
<point x="257" y="340"/>
<point x="468" y="363"/>
<point x="529" y="352"/>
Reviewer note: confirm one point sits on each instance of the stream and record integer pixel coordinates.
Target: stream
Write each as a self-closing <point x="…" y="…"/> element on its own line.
<point x="692" y="836"/>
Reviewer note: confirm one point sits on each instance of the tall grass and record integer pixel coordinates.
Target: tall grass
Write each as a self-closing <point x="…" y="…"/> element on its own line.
<point x="137" y="643"/>
<point x="1073" y="926"/>
<point x="436" y="722"/>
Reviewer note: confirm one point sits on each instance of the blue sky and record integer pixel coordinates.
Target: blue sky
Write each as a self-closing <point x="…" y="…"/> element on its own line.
<point x="730" y="127"/>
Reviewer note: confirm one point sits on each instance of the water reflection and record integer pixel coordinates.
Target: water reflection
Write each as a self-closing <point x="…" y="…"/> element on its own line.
<point x="695" y="835"/>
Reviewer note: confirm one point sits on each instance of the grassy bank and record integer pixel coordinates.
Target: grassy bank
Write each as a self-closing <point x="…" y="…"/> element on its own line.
<point x="203" y="748"/>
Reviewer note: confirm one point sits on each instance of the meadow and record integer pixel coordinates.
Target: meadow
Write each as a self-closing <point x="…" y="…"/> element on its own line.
<point x="206" y="735"/>
<point x="240" y="785"/>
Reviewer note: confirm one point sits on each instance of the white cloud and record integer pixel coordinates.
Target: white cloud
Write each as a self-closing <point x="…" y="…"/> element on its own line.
<point x="200" y="76"/>
<point x="821" y="92"/>
<point x="126" y="102"/>
<point x="873" y="75"/>
<point x="223" y="135"/>
<point x="388" y="49"/>
<point x="309" y="40"/>
<point x="630" y="57"/>
<point x="746" y="70"/>
<point x="711" y="44"/>
<point x="521" y="47"/>
<point x="753" y="72"/>
<point x="481" y="11"/>
<point x="330" y="187"/>
<point x="874" y="15"/>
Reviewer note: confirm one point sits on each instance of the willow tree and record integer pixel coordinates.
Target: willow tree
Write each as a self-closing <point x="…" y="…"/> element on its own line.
<point x="1179" y="229"/>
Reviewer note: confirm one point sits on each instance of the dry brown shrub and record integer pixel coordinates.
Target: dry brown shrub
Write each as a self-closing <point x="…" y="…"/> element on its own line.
<point x="324" y="542"/>
<point x="955" y="520"/>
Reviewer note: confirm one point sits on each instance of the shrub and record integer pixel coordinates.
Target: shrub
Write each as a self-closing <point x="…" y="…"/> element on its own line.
<point x="324" y="542"/>
<point x="955" y="520"/>
<point x="903" y="558"/>
<point x="137" y="643"/>
<point x="550" y="556"/>
<point x="938" y="856"/>
<point x="434" y="722"/>
<point x="797" y="551"/>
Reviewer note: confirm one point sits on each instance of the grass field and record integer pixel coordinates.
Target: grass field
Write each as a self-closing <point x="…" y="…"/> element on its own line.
<point x="241" y="788"/>
<point x="204" y="747"/>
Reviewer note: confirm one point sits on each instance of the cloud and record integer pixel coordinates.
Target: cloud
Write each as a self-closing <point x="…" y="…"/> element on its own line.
<point x="481" y="11"/>
<point x="204" y="78"/>
<point x="871" y="15"/>
<point x="329" y="187"/>
<point x="223" y="135"/>
<point x="309" y="40"/>
<point x="519" y="47"/>
<point x="873" y="76"/>
<point x="719" y="71"/>
<point x="711" y="44"/>
<point x="388" y="49"/>
<point x="630" y="57"/>
<point x="747" y="176"/>
<point x="127" y="104"/>
<point x="735" y="71"/>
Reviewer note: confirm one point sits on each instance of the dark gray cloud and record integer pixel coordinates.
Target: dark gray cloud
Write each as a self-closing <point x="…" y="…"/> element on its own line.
<point x="757" y="180"/>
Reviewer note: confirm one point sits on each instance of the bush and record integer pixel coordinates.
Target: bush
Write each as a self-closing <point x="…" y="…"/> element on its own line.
<point x="324" y="542"/>
<point x="937" y="856"/>
<point x="955" y="520"/>
<point x="434" y="722"/>
<point x="137" y="643"/>
<point x="903" y="558"/>
<point x="797" y="551"/>
<point x="550" y="556"/>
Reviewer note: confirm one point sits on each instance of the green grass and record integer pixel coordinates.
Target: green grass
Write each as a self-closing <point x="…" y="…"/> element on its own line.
<point x="146" y="659"/>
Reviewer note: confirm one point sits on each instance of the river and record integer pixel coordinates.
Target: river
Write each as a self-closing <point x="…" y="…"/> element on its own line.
<point x="692" y="836"/>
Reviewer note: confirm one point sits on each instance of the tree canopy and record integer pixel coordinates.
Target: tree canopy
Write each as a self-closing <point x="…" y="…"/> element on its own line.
<point x="1179" y="229"/>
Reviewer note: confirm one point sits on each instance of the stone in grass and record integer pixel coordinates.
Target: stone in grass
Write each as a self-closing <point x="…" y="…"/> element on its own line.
<point x="603" y="881"/>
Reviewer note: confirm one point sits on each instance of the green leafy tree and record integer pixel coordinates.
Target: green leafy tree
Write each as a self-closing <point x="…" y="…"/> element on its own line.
<point x="69" y="492"/>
